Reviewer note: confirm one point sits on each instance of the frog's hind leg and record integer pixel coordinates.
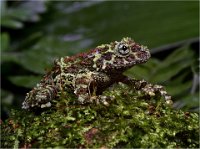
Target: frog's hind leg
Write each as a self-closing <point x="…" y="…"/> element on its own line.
<point x="41" y="96"/>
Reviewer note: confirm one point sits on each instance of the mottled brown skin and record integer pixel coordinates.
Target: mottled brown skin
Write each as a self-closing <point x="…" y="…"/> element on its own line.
<point x="87" y="75"/>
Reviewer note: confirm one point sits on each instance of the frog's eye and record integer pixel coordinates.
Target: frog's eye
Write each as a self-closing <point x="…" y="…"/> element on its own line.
<point x="123" y="49"/>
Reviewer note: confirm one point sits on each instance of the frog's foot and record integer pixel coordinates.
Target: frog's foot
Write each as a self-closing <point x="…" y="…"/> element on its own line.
<point x="100" y="99"/>
<point x="105" y="100"/>
<point x="40" y="99"/>
<point x="40" y="96"/>
<point x="157" y="90"/>
<point x="148" y="88"/>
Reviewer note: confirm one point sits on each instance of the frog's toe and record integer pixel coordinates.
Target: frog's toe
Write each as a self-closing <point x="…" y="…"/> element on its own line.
<point x="25" y="105"/>
<point x="154" y="90"/>
<point x="105" y="100"/>
<point x="168" y="97"/>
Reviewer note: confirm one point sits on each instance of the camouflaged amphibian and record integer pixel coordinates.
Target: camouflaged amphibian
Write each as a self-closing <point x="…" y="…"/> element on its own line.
<point x="87" y="75"/>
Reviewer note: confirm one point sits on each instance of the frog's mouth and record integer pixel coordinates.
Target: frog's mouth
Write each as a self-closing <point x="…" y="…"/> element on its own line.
<point x="142" y="56"/>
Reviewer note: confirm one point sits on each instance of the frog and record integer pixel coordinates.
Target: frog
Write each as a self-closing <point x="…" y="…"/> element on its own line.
<point x="87" y="75"/>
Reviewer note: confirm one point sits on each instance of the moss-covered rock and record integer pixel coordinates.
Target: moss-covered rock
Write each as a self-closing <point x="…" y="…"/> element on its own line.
<point x="131" y="120"/>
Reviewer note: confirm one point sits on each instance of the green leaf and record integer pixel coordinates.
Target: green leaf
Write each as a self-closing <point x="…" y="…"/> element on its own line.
<point x="189" y="102"/>
<point x="3" y="7"/>
<point x="5" y="41"/>
<point x="165" y="73"/>
<point x="179" y="89"/>
<point x="18" y="14"/>
<point x="10" y="23"/>
<point x="142" y="71"/>
<point x="192" y="100"/>
<point x="9" y="57"/>
<point x="41" y="56"/>
<point x="25" y="81"/>
<point x="12" y="17"/>
<point x="172" y="65"/>
<point x="6" y="97"/>
<point x="179" y="54"/>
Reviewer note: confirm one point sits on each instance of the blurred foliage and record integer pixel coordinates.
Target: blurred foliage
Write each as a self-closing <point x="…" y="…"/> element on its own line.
<point x="13" y="17"/>
<point x="34" y="33"/>
<point x="131" y="121"/>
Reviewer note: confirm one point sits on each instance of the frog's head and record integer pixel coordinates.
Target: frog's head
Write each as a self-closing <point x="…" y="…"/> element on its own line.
<point x="121" y="55"/>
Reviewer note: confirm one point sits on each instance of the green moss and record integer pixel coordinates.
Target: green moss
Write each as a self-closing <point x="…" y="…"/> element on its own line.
<point x="129" y="121"/>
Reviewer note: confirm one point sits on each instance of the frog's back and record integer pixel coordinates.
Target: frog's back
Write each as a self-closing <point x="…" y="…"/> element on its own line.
<point x="73" y="64"/>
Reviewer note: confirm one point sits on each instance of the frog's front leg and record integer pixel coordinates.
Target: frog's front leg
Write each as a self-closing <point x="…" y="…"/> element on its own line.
<point x="87" y="87"/>
<point x="148" y="88"/>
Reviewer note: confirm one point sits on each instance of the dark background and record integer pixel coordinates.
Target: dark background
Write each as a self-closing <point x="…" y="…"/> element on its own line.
<point x="34" y="33"/>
